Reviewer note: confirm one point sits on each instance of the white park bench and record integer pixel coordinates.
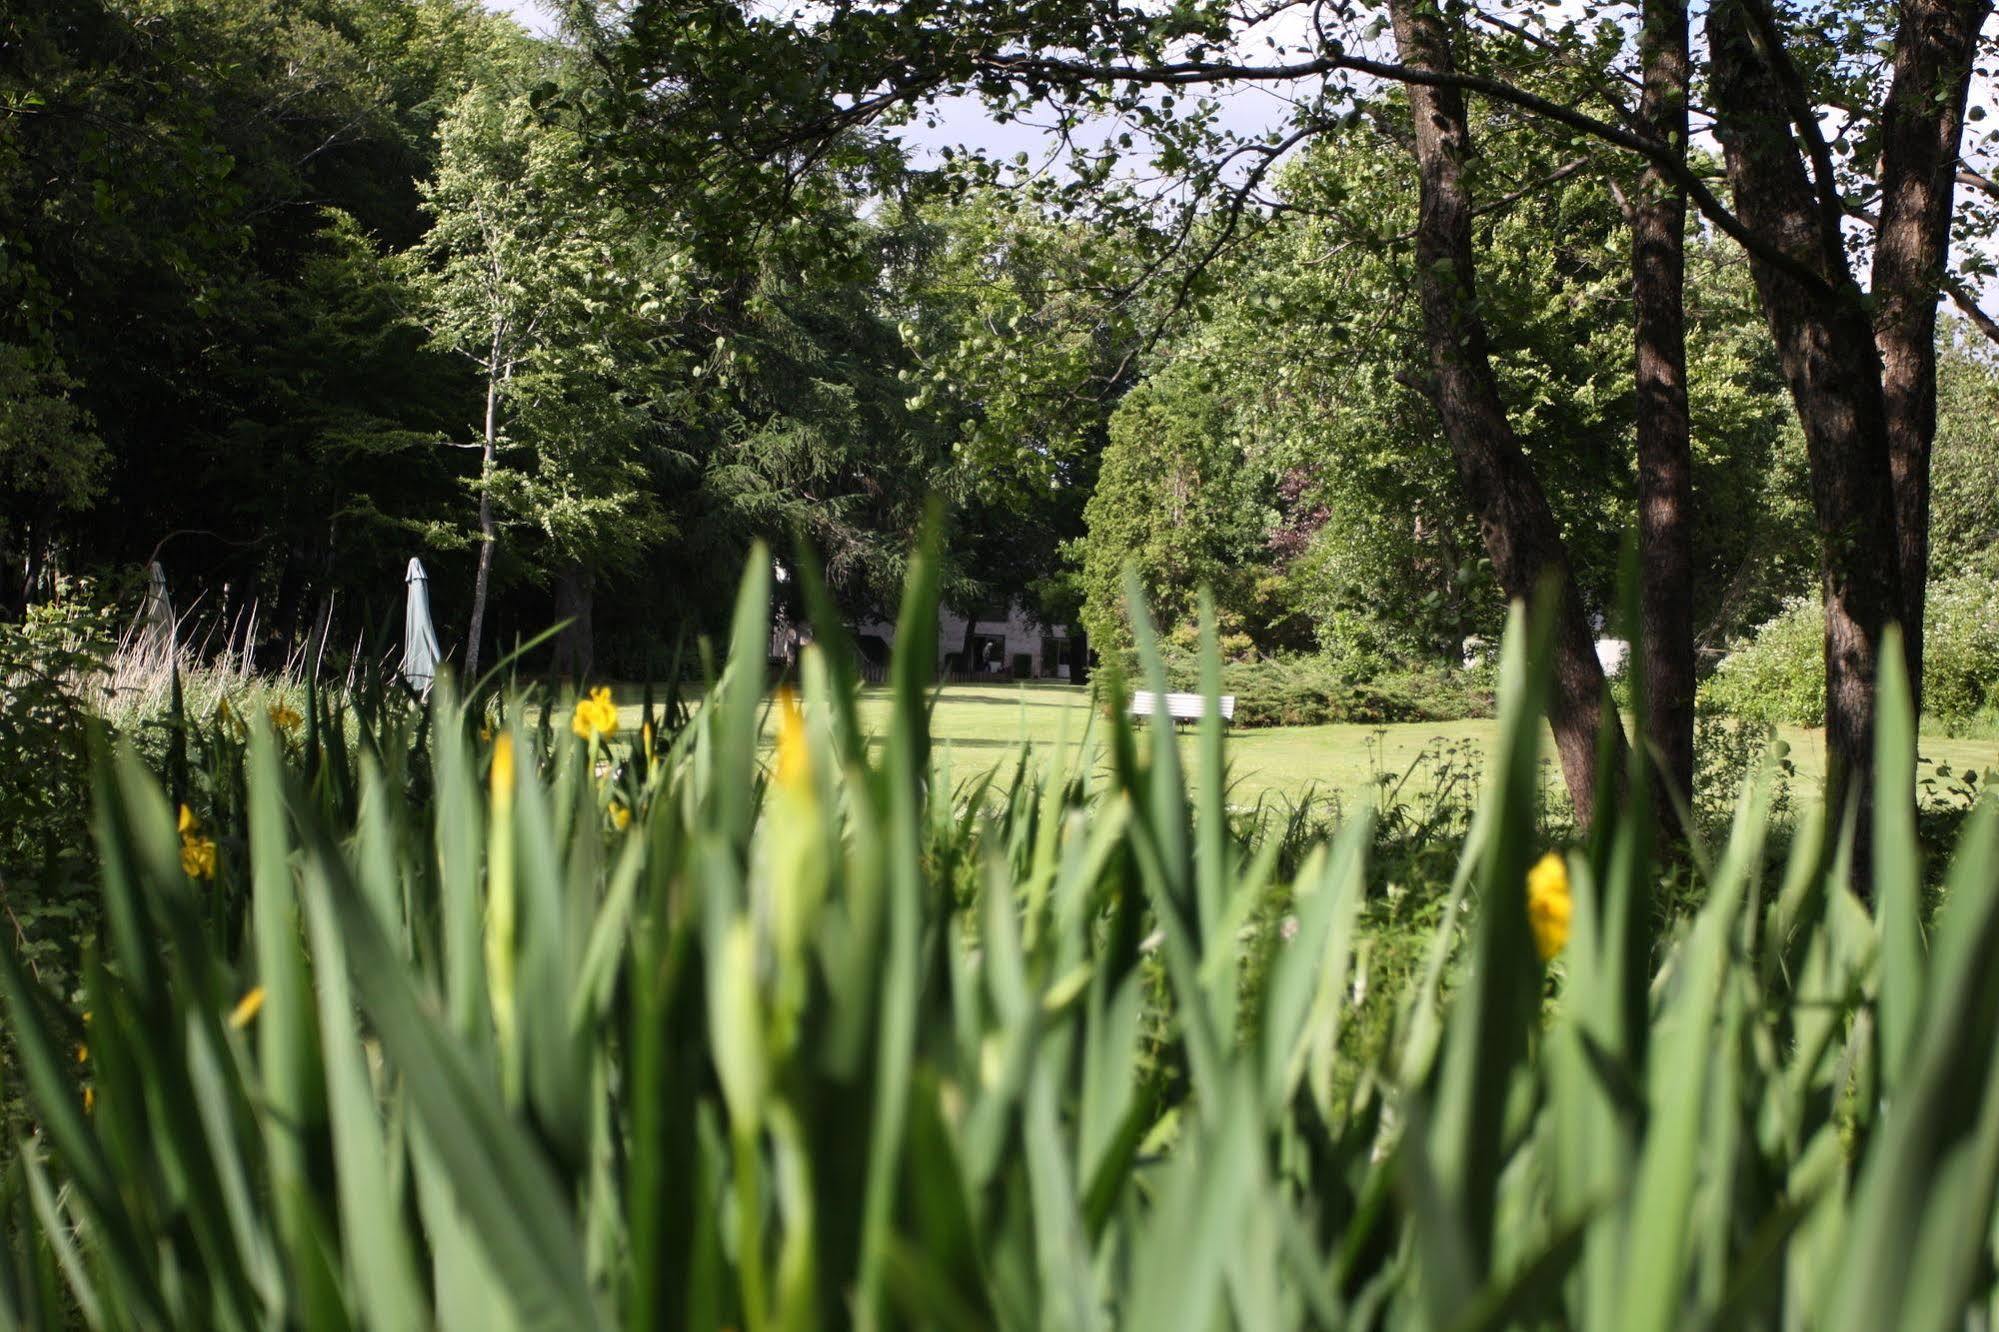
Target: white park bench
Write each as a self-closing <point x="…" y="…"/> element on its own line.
<point x="1180" y="707"/>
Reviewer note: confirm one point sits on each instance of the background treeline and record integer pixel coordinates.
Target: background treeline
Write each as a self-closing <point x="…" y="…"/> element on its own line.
<point x="273" y="275"/>
<point x="292" y="291"/>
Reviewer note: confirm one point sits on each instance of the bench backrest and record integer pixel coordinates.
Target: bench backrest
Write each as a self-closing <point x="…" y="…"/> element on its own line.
<point x="1180" y="707"/>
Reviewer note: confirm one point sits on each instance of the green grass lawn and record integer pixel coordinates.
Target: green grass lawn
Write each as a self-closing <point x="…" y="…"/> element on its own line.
<point x="987" y="726"/>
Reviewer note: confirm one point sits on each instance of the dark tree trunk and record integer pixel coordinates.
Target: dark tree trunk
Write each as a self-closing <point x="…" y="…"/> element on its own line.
<point x="1825" y="345"/>
<point x="1665" y="453"/>
<point x="1922" y="122"/>
<point x="965" y="649"/>
<point x="289" y="607"/>
<point x="1520" y="532"/>
<point x="575" y="644"/>
<point x="34" y="550"/>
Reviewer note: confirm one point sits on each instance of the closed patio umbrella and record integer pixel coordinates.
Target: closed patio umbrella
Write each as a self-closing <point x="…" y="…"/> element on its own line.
<point x="419" y="639"/>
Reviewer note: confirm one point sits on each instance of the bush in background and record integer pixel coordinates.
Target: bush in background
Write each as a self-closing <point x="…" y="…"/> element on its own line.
<point x="1961" y="651"/>
<point x="54" y="670"/>
<point x="1778" y="674"/>
<point x="1315" y="690"/>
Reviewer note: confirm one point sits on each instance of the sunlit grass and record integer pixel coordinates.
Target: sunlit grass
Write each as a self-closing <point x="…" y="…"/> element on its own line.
<point x="989" y="726"/>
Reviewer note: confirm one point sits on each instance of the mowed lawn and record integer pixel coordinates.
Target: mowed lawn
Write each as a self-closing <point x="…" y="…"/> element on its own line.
<point x="981" y="727"/>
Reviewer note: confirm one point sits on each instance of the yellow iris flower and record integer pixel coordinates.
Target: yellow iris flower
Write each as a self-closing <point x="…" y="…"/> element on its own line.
<point x="1549" y="904"/>
<point x="197" y="853"/>
<point x="596" y="717"/>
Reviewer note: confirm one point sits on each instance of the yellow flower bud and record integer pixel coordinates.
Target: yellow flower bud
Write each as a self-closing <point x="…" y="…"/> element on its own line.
<point x="247" y="1007"/>
<point x="794" y="753"/>
<point x="1549" y="904"/>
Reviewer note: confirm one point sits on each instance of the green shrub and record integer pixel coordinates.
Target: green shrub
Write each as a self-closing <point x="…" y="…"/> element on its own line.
<point x="53" y="670"/>
<point x="1310" y="690"/>
<point x="1778" y="674"/>
<point x="1728" y="751"/>
<point x="539" y="1029"/>
<point x="1961" y="650"/>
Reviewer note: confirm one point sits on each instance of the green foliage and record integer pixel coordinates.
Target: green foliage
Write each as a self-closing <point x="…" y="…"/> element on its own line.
<point x="1301" y="690"/>
<point x="1174" y="501"/>
<point x="1964" y="465"/>
<point x="525" y="272"/>
<point x="50" y="457"/>
<point x="167" y="181"/>
<point x="1961" y="649"/>
<point x="1362" y="545"/>
<point x="1728" y="752"/>
<point x="54" y="670"/>
<point x="1779" y="674"/>
<point x="1021" y="346"/>
<point x="507" y="1056"/>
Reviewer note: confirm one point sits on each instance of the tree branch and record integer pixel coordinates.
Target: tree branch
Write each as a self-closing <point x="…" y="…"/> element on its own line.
<point x="1073" y="73"/>
<point x="1967" y="301"/>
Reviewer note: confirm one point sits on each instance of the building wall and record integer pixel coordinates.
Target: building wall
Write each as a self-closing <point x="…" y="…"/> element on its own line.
<point x="1021" y="631"/>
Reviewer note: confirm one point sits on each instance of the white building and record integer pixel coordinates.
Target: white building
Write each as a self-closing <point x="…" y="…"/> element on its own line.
<point x="1004" y="646"/>
<point x="1013" y="645"/>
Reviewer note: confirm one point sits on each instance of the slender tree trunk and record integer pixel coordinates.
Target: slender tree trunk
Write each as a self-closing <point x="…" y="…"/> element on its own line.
<point x="1825" y="345"/>
<point x="965" y="649"/>
<point x="1665" y="451"/>
<point x="482" y="579"/>
<point x="1922" y="122"/>
<point x="34" y="550"/>
<point x="1521" y="535"/>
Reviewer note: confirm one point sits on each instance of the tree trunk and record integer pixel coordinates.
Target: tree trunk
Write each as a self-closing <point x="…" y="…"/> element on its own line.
<point x="1520" y="532"/>
<point x="482" y="579"/>
<point x="1665" y="451"/>
<point x="289" y="606"/>
<point x="575" y="645"/>
<point x="965" y="649"/>
<point x="1825" y="345"/>
<point x="1922" y="122"/>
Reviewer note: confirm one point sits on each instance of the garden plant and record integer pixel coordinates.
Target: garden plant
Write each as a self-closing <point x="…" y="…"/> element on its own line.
<point x="483" y="1018"/>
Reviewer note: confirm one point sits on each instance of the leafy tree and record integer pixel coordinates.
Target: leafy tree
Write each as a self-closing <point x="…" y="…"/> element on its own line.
<point x="1371" y="552"/>
<point x="526" y="274"/>
<point x="1175" y="499"/>
<point x="169" y="180"/>
<point x="52" y="461"/>
<point x="1027" y="333"/>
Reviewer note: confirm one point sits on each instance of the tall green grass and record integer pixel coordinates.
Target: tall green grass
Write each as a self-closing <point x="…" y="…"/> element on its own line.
<point x="830" y="1044"/>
